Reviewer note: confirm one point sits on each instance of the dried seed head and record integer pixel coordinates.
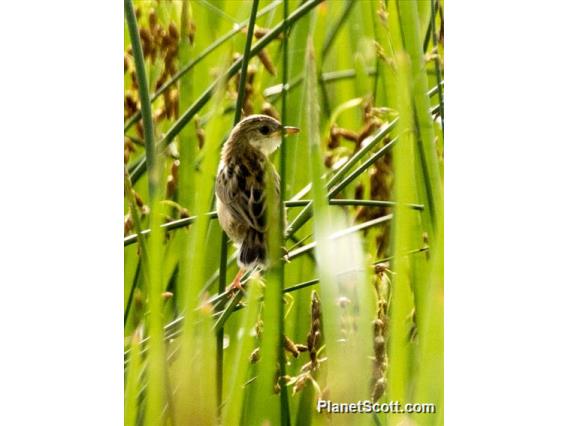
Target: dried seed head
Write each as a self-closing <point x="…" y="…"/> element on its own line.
<point x="379" y="336"/>
<point x="175" y="169"/>
<point x="265" y="59"/>
<point x="268" y="109"/>
<point x="277" y="381"/>
<point x="152" y="18"/>
<point x="191" y="32"/>
<point x="259" y="328"/>
<point x="130" y="104"/>
<point x="314" y="335"/>
<point x="139" y="201"/>
<point x="159" y="34"/>
<point x="379" y="344"/>
<point x="380" y="51"/>
<point x="316" y="312"/>
<point x="313" y="345"/>
<point x="312" y="340"/>
<point x="379" y="389"/>
<point x="259" y="32"/>
<point x="300" y="383"/>
<point x="200" y="137"/>
<point x="170" y="186"/>
<point x="333" y="141"/>
<point x="291" y="347"/>
<point x="169" y="61"/>
<point x="133" y="79"/>
<point x="139" y="129"/>
<point x="378" y="326"/>
<point x="173" y="31"/>
<point x="346" y="134"/>
<point x="381" y="267"/>
<point x="146" y="39"/>
<point x="128" y="224"/>
<point x="248" y="109"/>
<point x="161" y="80"/>
<point x="128" y="144"/>
<point x="172" y="103"/>
<point x="254" y="356"/>
<point x="366" y="131"/>
<point x="359" y="191"/>
<point x="251" y="73"/>
<point x="159" y="114"/>
<point x="362" y="214"/>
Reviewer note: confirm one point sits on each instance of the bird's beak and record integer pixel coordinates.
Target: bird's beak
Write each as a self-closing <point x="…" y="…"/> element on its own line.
<point x="291" y="130"/>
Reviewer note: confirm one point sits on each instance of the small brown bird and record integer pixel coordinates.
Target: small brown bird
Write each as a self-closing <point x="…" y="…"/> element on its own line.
<point x="241" y="184"/>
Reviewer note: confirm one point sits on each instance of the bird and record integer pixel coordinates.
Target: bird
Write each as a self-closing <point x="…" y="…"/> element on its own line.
<point x="241" y="188"/>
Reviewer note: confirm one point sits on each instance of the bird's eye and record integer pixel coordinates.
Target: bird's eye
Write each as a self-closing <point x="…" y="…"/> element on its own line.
<point x="265" y="130"/>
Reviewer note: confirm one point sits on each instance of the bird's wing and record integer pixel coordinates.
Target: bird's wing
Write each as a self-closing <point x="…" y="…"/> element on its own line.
<point x="241" y="188"/>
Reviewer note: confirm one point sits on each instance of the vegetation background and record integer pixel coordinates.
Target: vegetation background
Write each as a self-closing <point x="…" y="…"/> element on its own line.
<point x="355" y="310"/>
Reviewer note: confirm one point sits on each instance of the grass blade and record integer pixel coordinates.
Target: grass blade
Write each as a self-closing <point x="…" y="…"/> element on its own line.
<point x="342" y="277"/>
<point x="195" y="368"/>
<point x="132" y="382"/>
<point x="156" y="374"/>
<point x="284" y="402"/>
<point x="426" y="145"/>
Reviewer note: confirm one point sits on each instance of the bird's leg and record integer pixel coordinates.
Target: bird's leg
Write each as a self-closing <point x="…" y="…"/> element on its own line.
<point x="236" y="284"/>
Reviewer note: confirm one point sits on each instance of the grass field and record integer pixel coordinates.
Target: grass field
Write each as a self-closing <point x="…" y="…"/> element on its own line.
<point x="353" y="310"/>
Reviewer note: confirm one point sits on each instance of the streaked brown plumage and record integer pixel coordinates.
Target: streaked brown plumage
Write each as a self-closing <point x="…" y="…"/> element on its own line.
<point x="241" y="183"/>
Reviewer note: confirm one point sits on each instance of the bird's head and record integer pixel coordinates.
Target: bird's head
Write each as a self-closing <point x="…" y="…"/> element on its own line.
<point x="261" y="132"/>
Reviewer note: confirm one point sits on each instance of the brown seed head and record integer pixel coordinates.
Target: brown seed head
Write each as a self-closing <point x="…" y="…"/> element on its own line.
<point x="174" y="35"/>
<point x="152" y="18"/>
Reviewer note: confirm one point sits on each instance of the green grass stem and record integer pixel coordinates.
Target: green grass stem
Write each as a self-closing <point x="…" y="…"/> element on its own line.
<point x="281" y="271"/>
<point x="426" y="145"/>
<point x="432" y="26"/>
<point x="328" y="42"/>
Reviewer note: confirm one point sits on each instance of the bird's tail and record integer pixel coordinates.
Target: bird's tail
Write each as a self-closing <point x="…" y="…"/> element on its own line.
<point x="253" y="249"/>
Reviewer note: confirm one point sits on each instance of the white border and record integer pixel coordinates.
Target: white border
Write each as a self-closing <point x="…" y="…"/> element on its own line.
<point x="61" y="213"/>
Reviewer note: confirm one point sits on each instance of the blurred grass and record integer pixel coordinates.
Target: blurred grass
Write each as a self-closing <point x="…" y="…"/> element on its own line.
<point x="369" y="146"/>
<point x="155" y="396"/>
